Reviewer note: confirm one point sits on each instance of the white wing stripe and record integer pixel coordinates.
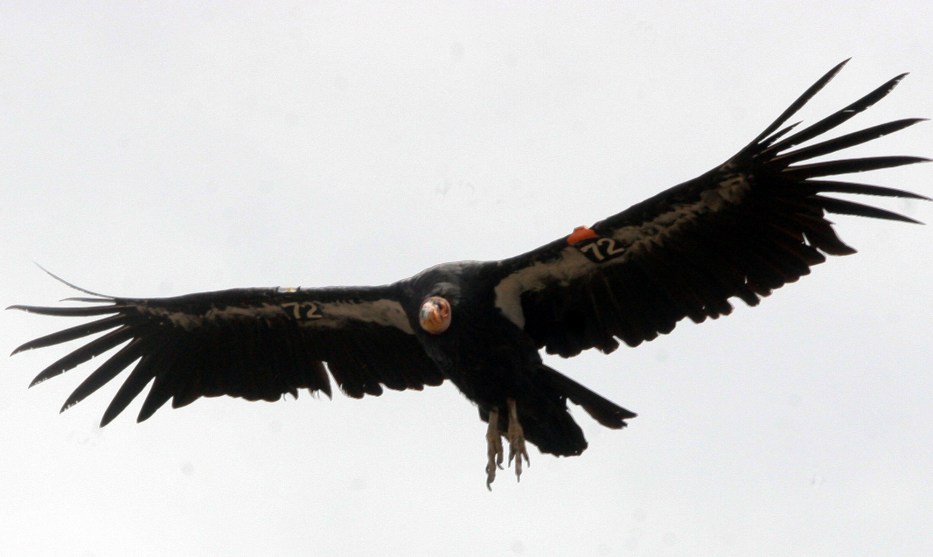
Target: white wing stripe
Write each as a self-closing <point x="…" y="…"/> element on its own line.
<point x="572" y="264"/>
<point x="307" y="313"/>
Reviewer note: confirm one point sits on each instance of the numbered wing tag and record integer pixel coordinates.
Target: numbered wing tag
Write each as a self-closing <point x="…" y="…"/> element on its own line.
<point x="599" y="250"/>
<point x="596" y="248"/>
<point x="303" y="311"/>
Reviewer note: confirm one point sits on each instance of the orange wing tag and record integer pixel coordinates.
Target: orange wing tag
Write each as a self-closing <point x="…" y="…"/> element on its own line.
<point x="579" y="234"/>
<point x="596" y="248"/>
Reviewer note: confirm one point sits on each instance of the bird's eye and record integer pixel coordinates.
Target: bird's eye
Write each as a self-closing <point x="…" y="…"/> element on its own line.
<point x="434" y="315"/>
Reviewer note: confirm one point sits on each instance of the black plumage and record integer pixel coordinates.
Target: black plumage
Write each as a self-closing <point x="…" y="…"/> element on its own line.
<point x="741" y="230"/>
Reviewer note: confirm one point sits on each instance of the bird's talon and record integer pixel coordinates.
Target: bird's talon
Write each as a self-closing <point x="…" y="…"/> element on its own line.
<point x="517" y="450"/>
<point x="494" y="452"/>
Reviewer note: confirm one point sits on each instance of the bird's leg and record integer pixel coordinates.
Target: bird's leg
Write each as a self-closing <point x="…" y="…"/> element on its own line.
<point x="516" y="440"/>
<point x="493" y="447"/>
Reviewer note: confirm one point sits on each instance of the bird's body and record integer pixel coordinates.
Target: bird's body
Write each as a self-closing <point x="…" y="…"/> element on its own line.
<point x="741" y="230"/>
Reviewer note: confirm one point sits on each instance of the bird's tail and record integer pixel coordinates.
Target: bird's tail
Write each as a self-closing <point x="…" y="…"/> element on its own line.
<point x="547" y="423"/>
<point x="600" y="409"/>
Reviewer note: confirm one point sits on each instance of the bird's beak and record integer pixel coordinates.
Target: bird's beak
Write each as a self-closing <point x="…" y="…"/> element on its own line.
<point x="434" y="315"/>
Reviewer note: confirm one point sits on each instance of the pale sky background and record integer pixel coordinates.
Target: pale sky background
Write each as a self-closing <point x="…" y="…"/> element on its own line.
<point x="153" y="149"/>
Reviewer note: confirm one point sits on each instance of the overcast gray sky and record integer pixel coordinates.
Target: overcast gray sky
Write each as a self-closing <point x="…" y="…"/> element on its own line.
<point x="159" y="149"/>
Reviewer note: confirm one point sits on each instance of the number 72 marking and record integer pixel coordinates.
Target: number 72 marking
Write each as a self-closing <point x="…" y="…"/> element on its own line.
<point x="601" y="249"/>
<point x="303" y="311"/>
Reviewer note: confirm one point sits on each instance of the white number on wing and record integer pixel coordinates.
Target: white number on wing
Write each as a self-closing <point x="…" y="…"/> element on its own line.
<point x="303" y="311"/>
<point x="601" y="249"/>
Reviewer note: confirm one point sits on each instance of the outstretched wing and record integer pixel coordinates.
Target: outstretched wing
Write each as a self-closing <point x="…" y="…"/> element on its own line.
<point x="742" y="230"/>
<point x="257" y="344"/>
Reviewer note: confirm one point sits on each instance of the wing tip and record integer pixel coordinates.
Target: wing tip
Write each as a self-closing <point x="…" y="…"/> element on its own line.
<point x="838" y="67"/>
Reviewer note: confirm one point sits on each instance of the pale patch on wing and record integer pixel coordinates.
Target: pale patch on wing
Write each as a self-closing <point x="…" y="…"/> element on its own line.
<point x="192" y="321"/>
<point x="730" y="190"/>
<point x="306" y="313"/>
<point x="571" y="264"/>
<point x="381" y="312"/>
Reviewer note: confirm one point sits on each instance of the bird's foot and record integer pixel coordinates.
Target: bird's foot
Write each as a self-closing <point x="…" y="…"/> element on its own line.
<point x="494" y="452"/>
<point x="493" y="448"/>
<point x="516" y="435"/>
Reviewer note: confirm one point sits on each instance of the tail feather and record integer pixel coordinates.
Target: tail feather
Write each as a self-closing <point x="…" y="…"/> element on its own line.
<point x="550" y="428"/>
<point x="545" y="420"/>
<point x="546" y="423"/>
<point x="600" y="409"/>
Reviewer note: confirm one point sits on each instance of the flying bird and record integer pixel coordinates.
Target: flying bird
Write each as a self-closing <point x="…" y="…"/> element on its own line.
<point x="742" y="230"/>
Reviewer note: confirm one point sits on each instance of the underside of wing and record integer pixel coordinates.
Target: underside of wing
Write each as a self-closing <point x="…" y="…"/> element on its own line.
<point x="257" y="344"/>
<point x="742" y="230"/>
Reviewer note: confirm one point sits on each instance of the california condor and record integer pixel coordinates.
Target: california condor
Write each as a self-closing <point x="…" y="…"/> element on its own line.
<point x="741" y="230"/>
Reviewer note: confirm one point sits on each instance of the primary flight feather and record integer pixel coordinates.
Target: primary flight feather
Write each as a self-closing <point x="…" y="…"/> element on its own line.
<point x="741" y="230"/>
